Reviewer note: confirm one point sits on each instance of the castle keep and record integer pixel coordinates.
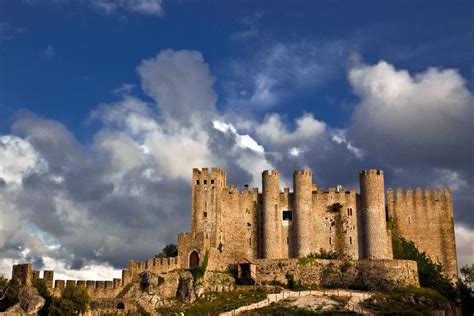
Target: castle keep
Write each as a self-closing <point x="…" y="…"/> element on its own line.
<point x="278" y="223"/>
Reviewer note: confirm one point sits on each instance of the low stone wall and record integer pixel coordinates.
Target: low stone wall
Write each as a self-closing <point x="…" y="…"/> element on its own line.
<point x="359" y="274"/>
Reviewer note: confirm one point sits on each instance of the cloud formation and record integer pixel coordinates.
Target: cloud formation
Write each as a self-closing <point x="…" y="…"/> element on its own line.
<point x="80" y="208"/>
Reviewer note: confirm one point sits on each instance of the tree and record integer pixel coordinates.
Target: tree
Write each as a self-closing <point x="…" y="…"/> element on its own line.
<point x="74" y="300"/>
<point x="8" y="293"/>
<point x="170" y="250"/>
<point x="430" y="273"/>
<point x="465" y="284"/>
<point x="43" y="290"/>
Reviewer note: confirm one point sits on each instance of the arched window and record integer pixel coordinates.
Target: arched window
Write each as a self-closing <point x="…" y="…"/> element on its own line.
<point x="193" y="260"/>
<point x="120" y="305"/>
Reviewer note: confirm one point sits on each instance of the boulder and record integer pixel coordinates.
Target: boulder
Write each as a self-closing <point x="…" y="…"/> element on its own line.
<point x="30" y="302"/>
<point x="185" y="292"/>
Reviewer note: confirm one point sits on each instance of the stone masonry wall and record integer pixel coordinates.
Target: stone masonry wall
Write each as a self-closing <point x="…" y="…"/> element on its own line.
<point x="427" y="220"/>
<point x="367" y="274"/>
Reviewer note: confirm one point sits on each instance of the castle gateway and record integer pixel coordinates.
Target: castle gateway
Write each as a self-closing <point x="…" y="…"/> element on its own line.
<point x="231" y="224"/>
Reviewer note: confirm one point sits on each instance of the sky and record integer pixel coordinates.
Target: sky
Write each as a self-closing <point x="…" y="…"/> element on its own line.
<point x="106" y="106"/>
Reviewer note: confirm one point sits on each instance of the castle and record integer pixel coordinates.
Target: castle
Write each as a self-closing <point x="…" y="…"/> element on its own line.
<point x="271" y="229"/>
<point x="278" y="224"/>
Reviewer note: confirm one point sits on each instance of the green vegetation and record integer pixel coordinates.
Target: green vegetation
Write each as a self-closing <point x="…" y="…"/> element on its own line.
<point x="214" y="303"/>
<point x="43" y="290"/>
<point x="170" y="250"/>
<point x="8" y="293"/>
<point x="73" y="301"/>
<point x="430" y="273"/>
<point x="322" y="254"/>
<point x="292" y="284"/>
<point x="198" y="272"/>
<point x="335" y="207"/>
<point x="465" y="286"/>
<point x="406" y="301"/>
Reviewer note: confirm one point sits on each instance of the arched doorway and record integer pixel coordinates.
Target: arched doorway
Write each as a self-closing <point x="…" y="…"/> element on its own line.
<point x="120" y="305"/>
<point x="193" y="260"/>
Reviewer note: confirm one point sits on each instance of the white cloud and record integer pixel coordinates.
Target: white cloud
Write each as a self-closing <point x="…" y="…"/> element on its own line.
<point x="148" y="7"/>
<point x="421" y="117"/>
<point x="125" y="88"/>
<point x="274" y="132"/>
<point x="243" y="141"/>
<point x="181" y="85"/>
<point x="18" y="159"/>
<point x="274" y="73"/>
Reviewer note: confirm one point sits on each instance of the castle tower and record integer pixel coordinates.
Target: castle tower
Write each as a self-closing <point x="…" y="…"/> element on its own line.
<point x="375" y="237"/>
<point x="271" y="220"/>
<point x="302" y="184"/>
<point x="207" y="188"/>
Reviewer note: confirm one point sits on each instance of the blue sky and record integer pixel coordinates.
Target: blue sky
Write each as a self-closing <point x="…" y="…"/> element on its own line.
<point x="97" y="93"/>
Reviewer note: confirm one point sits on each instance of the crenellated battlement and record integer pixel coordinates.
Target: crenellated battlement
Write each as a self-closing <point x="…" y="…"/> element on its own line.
<point x="267" y="173"/>
<point x="304" y="172"/>
<point x="155" y="265"/>
<point x="419" y="196"/>
<point x="334" y="191"/>
<point x="371" y="172"/>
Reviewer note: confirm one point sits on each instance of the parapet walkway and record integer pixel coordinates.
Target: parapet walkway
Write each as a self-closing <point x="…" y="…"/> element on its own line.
<point x="353" y="303"/>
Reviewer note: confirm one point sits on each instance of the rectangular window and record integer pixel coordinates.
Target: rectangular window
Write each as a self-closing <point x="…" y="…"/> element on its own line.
<point x="205" y="181"/>
<point x="329" y="240"/>
<point x="350" y="240"/>
<point x="197" y="181"/>
<point x="212" y="181"/>
<point x="287" y="215"/>
<point x="204" y="214"/>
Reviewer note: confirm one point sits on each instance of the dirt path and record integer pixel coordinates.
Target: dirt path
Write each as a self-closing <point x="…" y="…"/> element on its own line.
<point x="351" y="300"/>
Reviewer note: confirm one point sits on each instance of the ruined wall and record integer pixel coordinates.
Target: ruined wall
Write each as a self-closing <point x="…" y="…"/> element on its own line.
<point x="371" y="274"/>
<point x="427" y="220"/>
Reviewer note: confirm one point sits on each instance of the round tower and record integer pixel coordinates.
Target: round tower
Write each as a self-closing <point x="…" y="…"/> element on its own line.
<point x="372" y="197"/>
<point x="271" y="220"/>
<point x="302" y="184"/>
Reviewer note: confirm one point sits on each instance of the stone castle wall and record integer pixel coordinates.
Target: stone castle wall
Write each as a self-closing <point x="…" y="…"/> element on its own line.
<point x="233" y="224"/>
<point x="427" y="220"/>
<point x="364" y="274"/>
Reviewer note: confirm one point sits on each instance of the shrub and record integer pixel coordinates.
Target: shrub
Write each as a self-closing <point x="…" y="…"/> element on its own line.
<point x="335" y="207"/>
<point x="43" y="290"/>
<point x="324" y="254"/>
<point x="8" y="293"/>
<point x="73" y="301"/>
<point x="430" y="273"/>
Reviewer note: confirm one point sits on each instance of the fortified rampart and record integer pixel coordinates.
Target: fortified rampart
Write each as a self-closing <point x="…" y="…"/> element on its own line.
<point x="25" y="276"/>
<point x="279" y="223"/>
<point x="362" y="274"/>
<point x="277" y="229"/>
<point x="427" y="220"/>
